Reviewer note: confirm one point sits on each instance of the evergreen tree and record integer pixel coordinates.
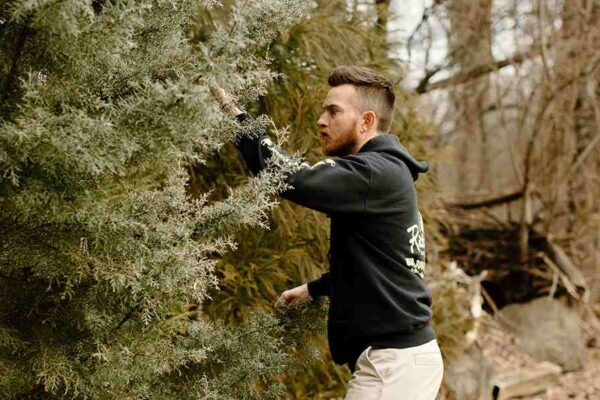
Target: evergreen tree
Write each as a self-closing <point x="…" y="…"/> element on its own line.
<point x="101" y="246"/>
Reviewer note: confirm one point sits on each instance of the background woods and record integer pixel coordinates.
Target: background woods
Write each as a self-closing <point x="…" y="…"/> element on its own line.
<point x="517" y="100"/>
<point x="513" y="88"/>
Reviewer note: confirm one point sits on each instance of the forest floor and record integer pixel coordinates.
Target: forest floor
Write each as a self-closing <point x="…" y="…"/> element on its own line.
<point x="578" y="385"/>
<point x="501" y="350"/>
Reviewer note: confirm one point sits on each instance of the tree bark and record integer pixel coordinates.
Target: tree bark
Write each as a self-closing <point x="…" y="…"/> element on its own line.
<point x="471" y="47"/>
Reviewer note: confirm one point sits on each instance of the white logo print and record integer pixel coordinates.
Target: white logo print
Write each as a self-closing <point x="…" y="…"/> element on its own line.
<point x="417" y="247"/>
<point x="417" y="239"/>
<point x="328" y="161"/>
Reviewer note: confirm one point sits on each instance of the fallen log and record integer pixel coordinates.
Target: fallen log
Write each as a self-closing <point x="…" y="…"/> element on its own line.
<point x="525" y="383"/>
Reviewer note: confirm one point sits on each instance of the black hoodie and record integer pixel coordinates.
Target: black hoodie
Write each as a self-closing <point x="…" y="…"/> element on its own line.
<point x="377" y="244"/>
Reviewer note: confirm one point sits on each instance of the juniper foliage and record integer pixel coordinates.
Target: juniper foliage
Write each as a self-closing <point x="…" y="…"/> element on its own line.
<point x="104" y="105"/>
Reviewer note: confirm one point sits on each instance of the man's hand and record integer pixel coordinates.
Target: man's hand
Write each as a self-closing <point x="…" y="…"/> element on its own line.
<point x="293" y="296"/>
<point x="226" y="101"/>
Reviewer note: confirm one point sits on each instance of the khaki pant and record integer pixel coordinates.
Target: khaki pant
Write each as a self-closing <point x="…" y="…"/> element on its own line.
<point x="414" y="373"/>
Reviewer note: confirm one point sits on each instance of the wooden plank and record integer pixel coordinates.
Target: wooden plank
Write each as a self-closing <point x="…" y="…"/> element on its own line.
<point x="525" y="383"/>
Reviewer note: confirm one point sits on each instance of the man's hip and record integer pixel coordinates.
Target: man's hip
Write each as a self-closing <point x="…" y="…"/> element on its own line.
<point x="412" y="373"/>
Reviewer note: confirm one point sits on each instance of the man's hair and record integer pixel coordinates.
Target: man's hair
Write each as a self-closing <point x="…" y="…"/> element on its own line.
<point x="375" y="92"/>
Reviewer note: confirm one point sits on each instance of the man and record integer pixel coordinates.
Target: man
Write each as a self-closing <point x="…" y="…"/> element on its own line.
<point x="379" y="314"/>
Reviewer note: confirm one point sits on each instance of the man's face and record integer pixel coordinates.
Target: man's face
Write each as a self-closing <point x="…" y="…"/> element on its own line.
<point x="340" y="122"/>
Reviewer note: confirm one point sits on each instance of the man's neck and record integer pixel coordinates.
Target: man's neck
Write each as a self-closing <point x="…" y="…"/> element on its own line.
<point x="367" y="138"/>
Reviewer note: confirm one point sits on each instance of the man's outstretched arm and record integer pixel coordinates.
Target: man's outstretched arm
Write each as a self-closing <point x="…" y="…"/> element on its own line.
<point x="337" y="185"/>
<point x="316" y="288"/>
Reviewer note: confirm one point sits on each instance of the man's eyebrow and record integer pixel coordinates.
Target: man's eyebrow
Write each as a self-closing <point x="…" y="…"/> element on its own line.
<point x="330" y="106"/>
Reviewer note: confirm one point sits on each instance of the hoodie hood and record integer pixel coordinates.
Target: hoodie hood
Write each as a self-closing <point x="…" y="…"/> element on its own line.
<point x="390" y="144"/>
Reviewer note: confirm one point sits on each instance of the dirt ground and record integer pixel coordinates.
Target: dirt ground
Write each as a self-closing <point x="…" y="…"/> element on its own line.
<point x="580" y="385"/>
<point x="501" y="350"/>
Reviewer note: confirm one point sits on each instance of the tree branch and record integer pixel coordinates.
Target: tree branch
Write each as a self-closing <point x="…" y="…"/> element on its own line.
<point x="493" y="201"/>
<point x="424" y="86"/>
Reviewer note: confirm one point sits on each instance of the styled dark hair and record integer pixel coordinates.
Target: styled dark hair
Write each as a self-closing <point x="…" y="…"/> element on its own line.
<point x="376" y="92"/>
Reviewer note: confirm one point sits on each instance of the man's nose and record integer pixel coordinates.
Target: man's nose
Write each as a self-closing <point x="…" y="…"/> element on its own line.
<point x="321" y="122"/>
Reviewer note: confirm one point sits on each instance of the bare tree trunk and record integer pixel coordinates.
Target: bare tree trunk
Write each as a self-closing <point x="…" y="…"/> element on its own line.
<point x="470" y="40"/>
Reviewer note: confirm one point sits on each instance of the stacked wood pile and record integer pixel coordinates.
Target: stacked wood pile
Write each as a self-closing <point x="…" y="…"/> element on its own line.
<point x="478" y="240"/>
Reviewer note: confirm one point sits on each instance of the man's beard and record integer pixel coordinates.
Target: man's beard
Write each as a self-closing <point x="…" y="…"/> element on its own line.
<point x="343" y="145"/>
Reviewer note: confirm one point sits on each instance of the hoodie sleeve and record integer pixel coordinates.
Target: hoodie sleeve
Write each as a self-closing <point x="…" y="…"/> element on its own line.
<point x="334" y="185"/>
<point x="320" y="286"/>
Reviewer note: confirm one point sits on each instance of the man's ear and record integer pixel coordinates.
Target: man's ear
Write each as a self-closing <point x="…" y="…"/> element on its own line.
<point x="369" y="120"/>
